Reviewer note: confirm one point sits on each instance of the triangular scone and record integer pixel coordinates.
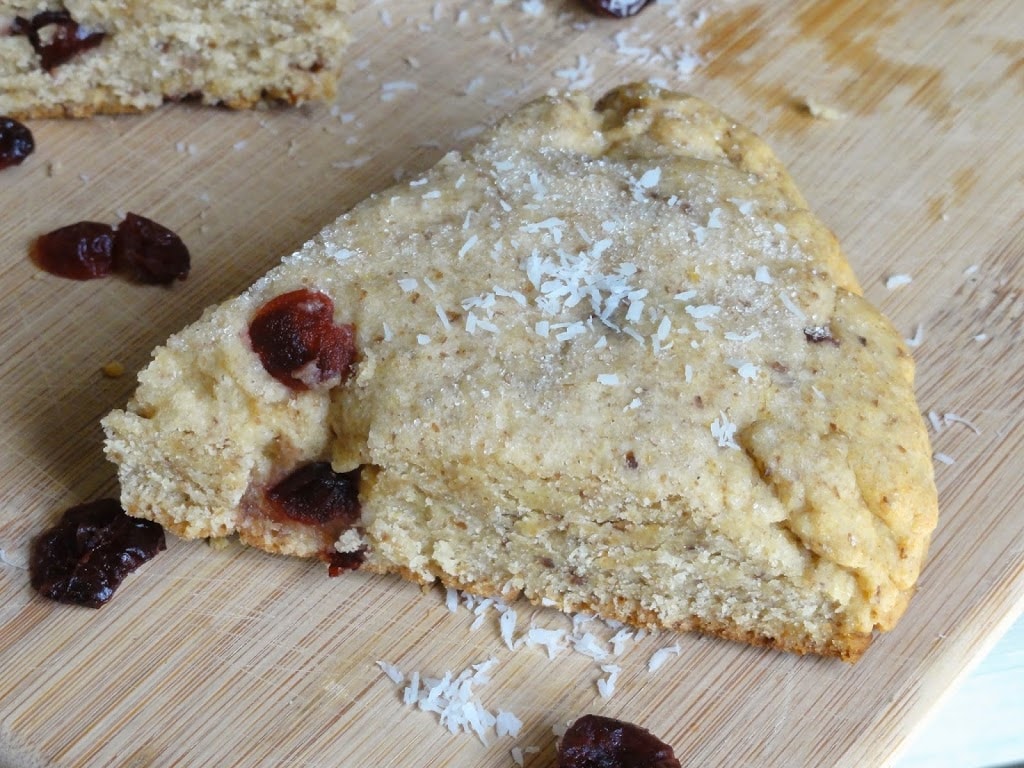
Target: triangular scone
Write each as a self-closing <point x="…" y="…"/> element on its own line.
<point x="605" y="359"/>
<point x="74" y="58"/>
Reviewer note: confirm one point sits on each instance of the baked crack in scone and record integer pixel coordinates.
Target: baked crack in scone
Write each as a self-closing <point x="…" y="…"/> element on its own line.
<point x="605" y="359"/>
<point x="80" y="57"/>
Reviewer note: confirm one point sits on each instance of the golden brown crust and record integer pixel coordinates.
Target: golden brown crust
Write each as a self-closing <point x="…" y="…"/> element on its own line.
<point x="846" y="647"/>
<point x="324" y="91"/>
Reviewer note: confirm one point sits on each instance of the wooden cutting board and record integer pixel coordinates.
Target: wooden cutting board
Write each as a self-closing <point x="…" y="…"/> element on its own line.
<point x="225" y="656"/>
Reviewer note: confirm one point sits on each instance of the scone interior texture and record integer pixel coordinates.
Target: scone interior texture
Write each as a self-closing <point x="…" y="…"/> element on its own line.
<point x="237" y="54"/>
<point x="606" y="359"/>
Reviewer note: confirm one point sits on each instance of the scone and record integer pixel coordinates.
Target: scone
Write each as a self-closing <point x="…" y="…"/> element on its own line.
<point x="74" y="58"/>
<point x="606" y="359"/>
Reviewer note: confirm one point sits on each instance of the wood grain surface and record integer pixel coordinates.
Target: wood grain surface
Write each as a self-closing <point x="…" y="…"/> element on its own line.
<point x="228" y="657"/>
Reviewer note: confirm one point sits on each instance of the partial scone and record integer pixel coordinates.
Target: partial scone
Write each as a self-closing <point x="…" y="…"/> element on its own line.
<point x="75" y="58"/>
<point x="606" y="359"/>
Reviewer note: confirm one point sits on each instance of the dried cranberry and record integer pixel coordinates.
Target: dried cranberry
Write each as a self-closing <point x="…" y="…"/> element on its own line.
<point x="149" y="252"/>
<point x="316" y="494"/>
<point x="342" y="562"/>
<point x="84" y="558"/>
<point x="67" y="39"/>
<point x="601" y="742"/>
<point x="296" y="339"/>
<point x="81" y="251"/>
<point x="620" y="9"/>
<point x="16" y="142"/>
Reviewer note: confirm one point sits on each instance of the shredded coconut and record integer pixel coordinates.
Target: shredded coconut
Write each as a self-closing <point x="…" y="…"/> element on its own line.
<point x="702" y="311"/>
<point x="579" y="77"/>
<point x="6" y="559"/>
<point x="724" y="431"/>
<point x="553" y="640"/>
<point x="507" y="724"/>
<point x="443" y="317"/>
<point x="897" y="281"/>
<point x="748" y="371"/>
<point x="788" y="303"/>
<point x="453" y="700"/>
<point x="393" y="672"/>
<point x="590" y="646"/>
<point x="619" y="640"/>
<point x="606" y="686"/>
<point x="508" y="627"/>
<point x="659" y="657"/>
<point x="468" y="244"/>
<point x="952" y="418"/>
<point x="388" y="91"/>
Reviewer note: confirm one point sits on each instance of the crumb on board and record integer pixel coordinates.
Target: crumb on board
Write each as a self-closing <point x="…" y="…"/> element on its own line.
<point x="822" y="111"/>
<point x="112" y="370"/>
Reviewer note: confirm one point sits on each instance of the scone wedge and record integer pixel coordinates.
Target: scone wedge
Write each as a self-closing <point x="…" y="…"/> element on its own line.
<point x="76" y="58"/>
<point x="605" y="359"/>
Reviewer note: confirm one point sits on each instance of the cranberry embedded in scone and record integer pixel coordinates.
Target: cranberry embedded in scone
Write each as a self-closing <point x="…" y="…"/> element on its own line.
<point x="65" y="37"/>
<point x="297" y="341"/>
<point x="316" y="494"/>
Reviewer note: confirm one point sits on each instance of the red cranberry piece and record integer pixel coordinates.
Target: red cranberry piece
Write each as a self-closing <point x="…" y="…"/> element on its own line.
<point x="85" y="557"/>
<point x="619" y="9"/>
<point x="316" y="494"/>
<point x="601" y="742"/>
<point x="149" y="252"/>
<point x="295" y="338"/>
<point x="342" y="562"/>
<point x="16" y="142"/>
<point x="81" y="251"/>
<point x="67" y="39"/>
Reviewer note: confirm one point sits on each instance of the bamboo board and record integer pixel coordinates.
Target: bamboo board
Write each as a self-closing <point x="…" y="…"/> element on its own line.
<point x="230" y="657"/>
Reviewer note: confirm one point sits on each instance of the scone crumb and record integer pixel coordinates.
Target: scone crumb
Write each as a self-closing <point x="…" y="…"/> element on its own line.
<point x="112" y="370"/>
<point x="822" y="111"/>
<point x="350" y="541"/>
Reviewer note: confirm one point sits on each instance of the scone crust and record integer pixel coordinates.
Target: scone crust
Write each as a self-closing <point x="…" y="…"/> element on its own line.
<point x="717" y="432"/>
